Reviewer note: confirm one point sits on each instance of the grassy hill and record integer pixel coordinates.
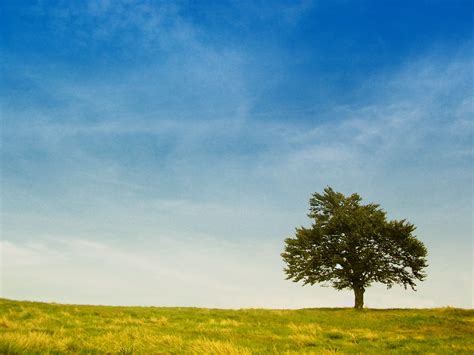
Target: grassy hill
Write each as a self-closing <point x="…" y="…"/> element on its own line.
<point x="29" y="327"/>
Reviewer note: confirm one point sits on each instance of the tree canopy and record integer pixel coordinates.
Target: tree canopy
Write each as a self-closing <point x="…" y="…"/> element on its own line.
<point x="351" y="245"/>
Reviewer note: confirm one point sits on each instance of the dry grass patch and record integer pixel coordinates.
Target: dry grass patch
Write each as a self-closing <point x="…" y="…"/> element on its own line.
<point x="305" y="328"/>
<point x="34" y="341"/>
<point x="159" y="321"/>
<point x="173" y="341"/>
<point x="208" y="346"/>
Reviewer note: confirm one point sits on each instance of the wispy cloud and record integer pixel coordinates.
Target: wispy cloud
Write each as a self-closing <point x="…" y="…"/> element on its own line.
<point x="421" y="108"/>
<point x="166" y="273"/>
<point x="155" y="25"/>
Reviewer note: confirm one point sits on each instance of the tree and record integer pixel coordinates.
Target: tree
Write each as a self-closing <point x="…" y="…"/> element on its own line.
<point x="351" y="245"/>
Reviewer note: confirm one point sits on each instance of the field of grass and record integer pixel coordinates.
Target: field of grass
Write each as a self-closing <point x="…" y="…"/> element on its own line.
<point x="30" y="327"/>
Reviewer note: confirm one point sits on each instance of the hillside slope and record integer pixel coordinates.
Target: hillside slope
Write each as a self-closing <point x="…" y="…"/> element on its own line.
<point x="27" y="327"/>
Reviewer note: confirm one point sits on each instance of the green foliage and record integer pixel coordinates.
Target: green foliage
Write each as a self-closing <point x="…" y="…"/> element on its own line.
<point x="59" y="329"/>
<point x="351" y="245"/>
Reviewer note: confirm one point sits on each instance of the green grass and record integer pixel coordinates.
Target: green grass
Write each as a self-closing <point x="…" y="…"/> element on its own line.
<point x="31" y="327"/>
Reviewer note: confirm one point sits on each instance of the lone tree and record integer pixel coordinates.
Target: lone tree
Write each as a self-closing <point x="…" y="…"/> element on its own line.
<point x="351" y="245"/>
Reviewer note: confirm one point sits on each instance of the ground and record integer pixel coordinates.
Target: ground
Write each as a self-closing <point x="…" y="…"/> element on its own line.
<point x="32" y="327"/>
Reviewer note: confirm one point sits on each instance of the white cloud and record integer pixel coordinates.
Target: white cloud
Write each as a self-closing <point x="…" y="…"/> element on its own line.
<point x="208" y="273"/>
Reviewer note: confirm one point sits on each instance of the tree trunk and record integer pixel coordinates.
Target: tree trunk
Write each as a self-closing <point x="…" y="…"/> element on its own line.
<point x="359" y="297"/>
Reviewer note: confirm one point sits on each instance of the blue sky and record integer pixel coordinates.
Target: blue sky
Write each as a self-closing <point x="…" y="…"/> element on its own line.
<point x="158" y="153"/>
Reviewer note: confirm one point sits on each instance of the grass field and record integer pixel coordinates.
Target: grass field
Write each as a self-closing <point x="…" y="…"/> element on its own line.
<point x="30" y="327"/>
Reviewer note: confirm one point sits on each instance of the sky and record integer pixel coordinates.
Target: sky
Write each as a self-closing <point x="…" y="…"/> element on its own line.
<point x="159" y="153"/>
